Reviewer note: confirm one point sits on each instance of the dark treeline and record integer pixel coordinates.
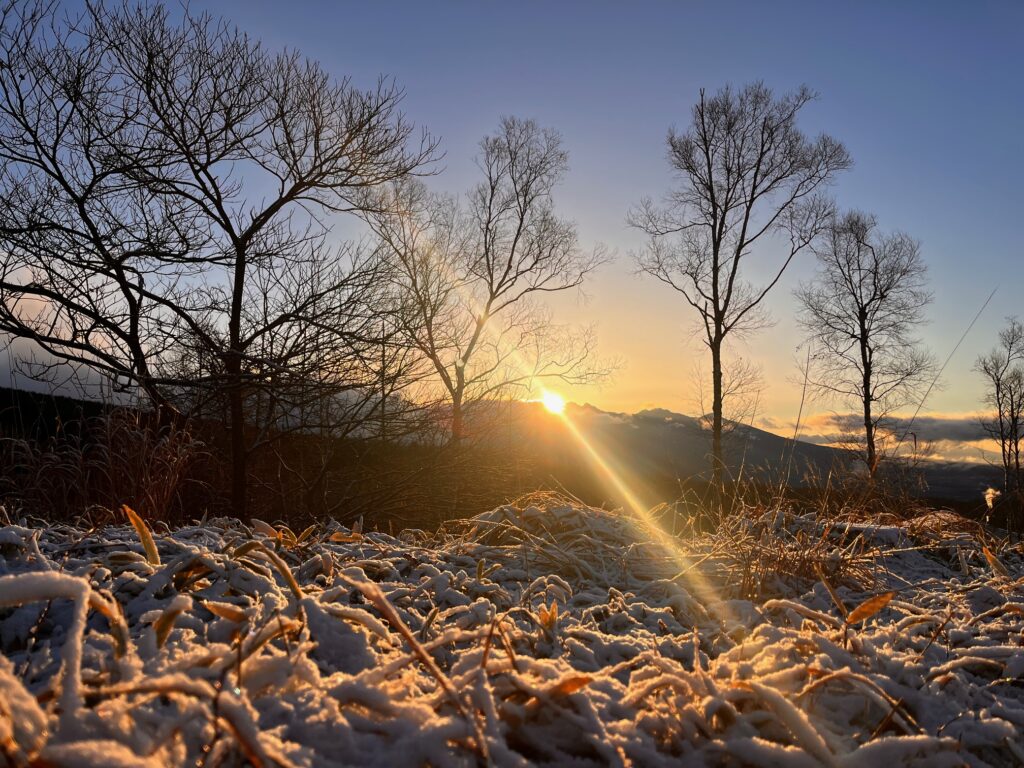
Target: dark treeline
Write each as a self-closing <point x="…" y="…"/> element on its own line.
<point x="62" y="456"/>
<point x="68" y="456"/>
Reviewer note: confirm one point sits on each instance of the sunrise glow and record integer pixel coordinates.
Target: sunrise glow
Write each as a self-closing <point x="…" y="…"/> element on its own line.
<point x="553" y="401"/>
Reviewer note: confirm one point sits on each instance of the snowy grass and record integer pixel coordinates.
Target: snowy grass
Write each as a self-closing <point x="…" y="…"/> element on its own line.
<point x="535" y="634"/>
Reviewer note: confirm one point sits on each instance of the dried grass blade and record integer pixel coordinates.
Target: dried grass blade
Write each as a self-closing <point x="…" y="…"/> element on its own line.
<point x="796" y="721"/>
<point x="145" y="536"/>
<point x="373" y="593"/>
<point x="111" y="609"/>
<point x="284" y="570"/>
<point x="165" y="623"/>
<point x="994" y="563"/>
<point x="843" y="610"/>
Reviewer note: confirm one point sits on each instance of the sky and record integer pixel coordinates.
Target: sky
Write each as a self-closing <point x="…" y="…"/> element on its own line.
<point x="926" y="96"/>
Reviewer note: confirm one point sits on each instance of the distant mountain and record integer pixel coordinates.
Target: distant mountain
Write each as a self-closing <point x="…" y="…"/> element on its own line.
<point x="658" y="446"/>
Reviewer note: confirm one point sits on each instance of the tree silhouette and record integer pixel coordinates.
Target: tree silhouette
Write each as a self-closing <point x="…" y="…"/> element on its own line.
<point x="165" y="201"/>
<point x="861" y="312"/>
<point x="746" y="172"/>
<point x="468" y="275"/>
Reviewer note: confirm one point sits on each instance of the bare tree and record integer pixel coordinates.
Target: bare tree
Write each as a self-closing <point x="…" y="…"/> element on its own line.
<point x="1003" y="371"/>
<point x="746" y="173"/>
<point x="169" y="187"/>
<point x="742" y="388"/>
<point x="468" y="275"/>
<point x="861" y="312"/>
<point x="74" y="231"/>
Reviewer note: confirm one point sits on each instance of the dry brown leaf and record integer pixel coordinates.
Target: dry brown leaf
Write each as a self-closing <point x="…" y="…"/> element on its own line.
<point x="287" y="535"/>
<point x="226" y="611"/>
<point x="548" y="615"/>
<point x="122" y="558"/>
<point x="559" y="690"/>
<point x="326" y="565"/>
<point x="265" y="528"/>
<point x="345" y="538"/>
<point x="165" y="623"/>
<point x="870" y="607"/>
<point x="118" y="628"/>
<point x="189" y="575"/>
<point x="569" y="685"/>
<point x="246" y="548"/>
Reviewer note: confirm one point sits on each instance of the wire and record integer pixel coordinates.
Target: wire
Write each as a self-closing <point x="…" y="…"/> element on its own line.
<point x="943" y="368"/>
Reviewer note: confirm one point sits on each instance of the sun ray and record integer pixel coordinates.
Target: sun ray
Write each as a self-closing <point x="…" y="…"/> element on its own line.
<point x="703" y="590"/>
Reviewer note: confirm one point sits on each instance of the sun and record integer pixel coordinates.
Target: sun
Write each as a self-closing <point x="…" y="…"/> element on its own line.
<point x="554" y="402"/>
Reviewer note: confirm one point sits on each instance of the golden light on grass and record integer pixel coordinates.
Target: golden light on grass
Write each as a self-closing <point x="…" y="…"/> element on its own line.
<point x="697" y="584"/>
<point x="553" y="401"/>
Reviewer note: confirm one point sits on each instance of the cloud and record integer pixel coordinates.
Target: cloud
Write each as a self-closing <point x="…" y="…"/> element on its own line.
<point x="973" y="452"/>
<point x="962" y="428"/>
<point x="936" y="427"/>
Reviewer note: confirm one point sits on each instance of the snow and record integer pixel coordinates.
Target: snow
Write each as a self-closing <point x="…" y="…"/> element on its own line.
<point x="557" y="635"/>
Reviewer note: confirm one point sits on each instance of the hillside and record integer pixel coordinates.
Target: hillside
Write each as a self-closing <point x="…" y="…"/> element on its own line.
<point x="659" y="448"/>
<point x="655" y="451"/>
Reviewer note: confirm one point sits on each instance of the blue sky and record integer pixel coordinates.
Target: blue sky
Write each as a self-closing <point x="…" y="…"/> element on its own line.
<point x="927" y="97"/>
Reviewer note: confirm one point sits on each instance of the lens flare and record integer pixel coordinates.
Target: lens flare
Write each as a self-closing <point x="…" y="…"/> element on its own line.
<point x="553" y="401"/>
<point x="701" y="588"/>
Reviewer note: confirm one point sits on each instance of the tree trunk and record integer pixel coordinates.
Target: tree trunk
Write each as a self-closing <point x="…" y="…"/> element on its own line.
<point x="457" y="422"/>
<point x="239" y="470"/>
<point x="233" y="363"/>
<point x="870" y="452"/>
<point x="383" y="381"/>
<point x="1015" y="440"/>
<point x="717" y="459"/>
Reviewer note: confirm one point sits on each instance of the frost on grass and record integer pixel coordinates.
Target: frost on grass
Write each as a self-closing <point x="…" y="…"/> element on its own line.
<point x="538" y="635"/>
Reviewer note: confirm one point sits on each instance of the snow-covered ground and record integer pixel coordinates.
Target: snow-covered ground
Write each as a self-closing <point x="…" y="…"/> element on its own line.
<point x="540" y="636"/>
